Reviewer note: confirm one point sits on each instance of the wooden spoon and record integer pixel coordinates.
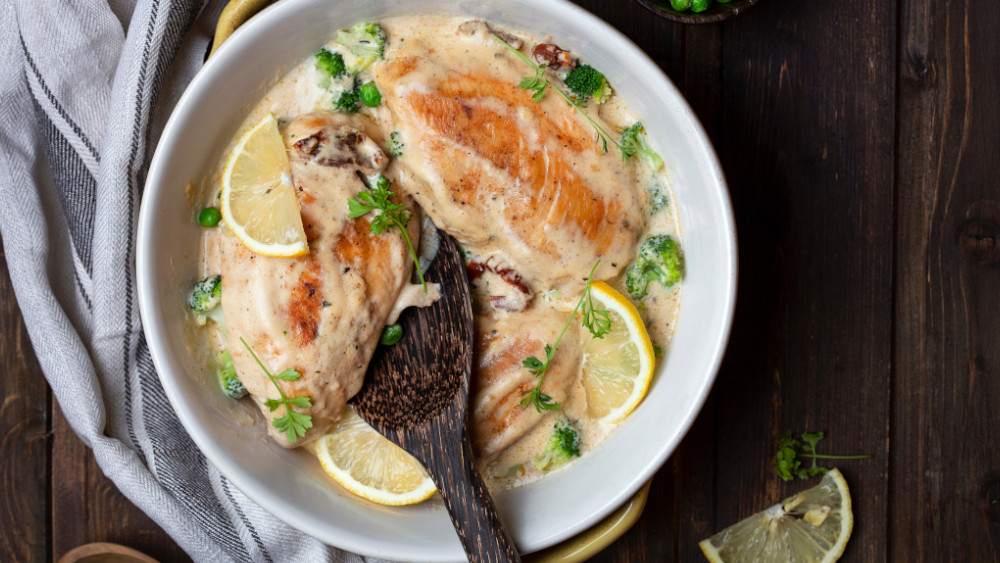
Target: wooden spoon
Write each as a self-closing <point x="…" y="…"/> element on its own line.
<point x="416" y="394"/>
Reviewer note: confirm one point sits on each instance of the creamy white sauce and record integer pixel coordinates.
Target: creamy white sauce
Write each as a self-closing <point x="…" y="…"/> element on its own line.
<point x="300" y="92"/>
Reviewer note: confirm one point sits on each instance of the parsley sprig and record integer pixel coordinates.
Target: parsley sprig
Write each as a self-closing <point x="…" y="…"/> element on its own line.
<point x="790" y="449"/>
<point x="538" y="84"/>
<point x="598" y="321"/>
<point x="293" y="424"/>
<point x="389" y="215"/>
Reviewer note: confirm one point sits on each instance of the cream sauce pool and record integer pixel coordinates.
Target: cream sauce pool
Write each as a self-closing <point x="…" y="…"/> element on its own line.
<point x="641" y="194"/>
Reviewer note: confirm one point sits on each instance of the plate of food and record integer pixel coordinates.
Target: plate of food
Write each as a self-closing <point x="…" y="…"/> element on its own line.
<point x="299" y="192"/>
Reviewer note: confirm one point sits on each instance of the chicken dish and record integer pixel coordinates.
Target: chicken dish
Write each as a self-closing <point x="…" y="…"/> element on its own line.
<point x="393" y="132"/>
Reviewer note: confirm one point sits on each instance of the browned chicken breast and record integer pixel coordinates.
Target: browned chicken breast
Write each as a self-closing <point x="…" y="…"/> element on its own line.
<point x="502" y="343"/>
<point x="322" y="313"/>
<point x="523" y="184"/>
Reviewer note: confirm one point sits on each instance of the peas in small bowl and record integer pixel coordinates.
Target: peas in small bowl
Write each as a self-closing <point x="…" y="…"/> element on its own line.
<point x="697" y="11"/>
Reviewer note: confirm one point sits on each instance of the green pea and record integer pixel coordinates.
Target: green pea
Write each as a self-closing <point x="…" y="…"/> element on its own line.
<point x="370" y="96"/>
<point x="699" y="5"/>
<point x="680" y="5"/>
<point x="391" y="334"/>
<point x="209" y="217"/>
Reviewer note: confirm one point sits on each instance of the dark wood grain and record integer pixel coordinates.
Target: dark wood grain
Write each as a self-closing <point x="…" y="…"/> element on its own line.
<point x="24" y="429"/>
<point x="809" y="128"/>
<point x="946" y="428"/>
<point x="87" y="507"/>
<point x="693" y="463"/>
<point x="416" y="393"/>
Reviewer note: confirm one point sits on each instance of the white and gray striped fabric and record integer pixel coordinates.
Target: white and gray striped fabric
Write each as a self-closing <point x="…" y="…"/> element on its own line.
<point x="85" y="89"/>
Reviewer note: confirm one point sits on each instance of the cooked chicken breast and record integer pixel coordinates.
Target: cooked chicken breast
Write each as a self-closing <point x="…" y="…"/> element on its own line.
<point x="524" y="183"/>
<point x="320" y="314"/>
<point x="502" y="343"/>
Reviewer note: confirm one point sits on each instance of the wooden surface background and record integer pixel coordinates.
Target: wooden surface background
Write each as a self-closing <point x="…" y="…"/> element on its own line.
<point x="861" y="142"/>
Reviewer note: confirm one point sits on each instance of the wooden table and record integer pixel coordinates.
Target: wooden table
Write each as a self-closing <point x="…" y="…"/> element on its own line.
<point x="860" y="140"/>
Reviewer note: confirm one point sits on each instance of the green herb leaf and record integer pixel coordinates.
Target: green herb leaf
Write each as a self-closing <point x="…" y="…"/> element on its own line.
<point x="598" y="321"/>
<point x="293" y="424"/>
<point x="538" y="84"/>
<point x="357" y="209"/>
<point x="790" y="449"/>
<point x="301" y="402"/>
<point x="533" y="364"/>
<point x="786" y="463"/>
<point x="539" y="400"/>
<point x="288" y="375"/>
<point x="389" y="215"/>
<point x="811" y="440"/>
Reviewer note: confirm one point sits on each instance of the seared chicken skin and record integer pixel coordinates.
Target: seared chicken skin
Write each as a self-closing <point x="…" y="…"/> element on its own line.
<point x="522" y="182"/>
<point x="502" y="343"/>
<point x="322" y="313"/>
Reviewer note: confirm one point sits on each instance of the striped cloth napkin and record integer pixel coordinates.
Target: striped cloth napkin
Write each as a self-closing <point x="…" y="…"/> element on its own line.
<point x="85" y="89"/>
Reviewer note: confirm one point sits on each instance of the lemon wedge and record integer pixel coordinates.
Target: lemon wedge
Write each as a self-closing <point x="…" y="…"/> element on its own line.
<point x="259" y="204"/>
<point x="369" y="465"/>
<point x="617" y="369"/>
<point x="812" y="526"/>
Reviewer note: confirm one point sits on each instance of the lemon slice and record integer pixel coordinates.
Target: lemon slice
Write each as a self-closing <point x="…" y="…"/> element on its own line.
<point x="370" y="466"/>
<point x="811" y="526"/>
<point x="258" y="199"/>
<point x="617" y="368"/>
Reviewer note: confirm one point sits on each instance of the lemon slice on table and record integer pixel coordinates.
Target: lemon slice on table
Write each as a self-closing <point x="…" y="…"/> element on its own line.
<point x="369" y="465"/>
<point x="811" y="526"/>
<point x="617" y="368"/>
<point x="258" y="199"/>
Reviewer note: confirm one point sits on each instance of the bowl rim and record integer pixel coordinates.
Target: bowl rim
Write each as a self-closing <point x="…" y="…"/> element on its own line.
<point x="236" y="473"/>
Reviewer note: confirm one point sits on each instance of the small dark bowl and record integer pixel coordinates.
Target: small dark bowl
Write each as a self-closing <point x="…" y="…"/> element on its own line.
<point x="715" y="13"/>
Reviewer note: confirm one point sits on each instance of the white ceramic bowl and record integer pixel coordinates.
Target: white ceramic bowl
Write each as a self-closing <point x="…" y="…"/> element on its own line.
<point x="290" y="484"/>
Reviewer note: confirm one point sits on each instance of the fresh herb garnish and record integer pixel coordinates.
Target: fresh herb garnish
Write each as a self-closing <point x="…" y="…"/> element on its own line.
<point x="293" y="424"/>
<point x="538" y="83"/>
<point x="389" y="215"/>
<point x="790" y="449"/>
<point x="598" y="321"/>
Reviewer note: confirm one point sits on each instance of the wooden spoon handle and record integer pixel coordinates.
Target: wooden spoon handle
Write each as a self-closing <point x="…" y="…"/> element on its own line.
<point x="471" y="508"/>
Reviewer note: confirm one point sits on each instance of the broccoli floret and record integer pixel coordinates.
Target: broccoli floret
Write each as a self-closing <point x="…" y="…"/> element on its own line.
<point x="205" y="301"/>
<point x="228" y="380"/>
<point x="366" y="42"/>
<point x="634" y="142"/>
<point x="563" y="444"/>
<point x="206" y="294"/>
<point x="586" y="81"/>
<point x="395" y="144"/>
<point x="659" y="260"/>
<point x="349" y="100"/>
<point x="658" y="197"/>
<point x="330" y="64"/>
